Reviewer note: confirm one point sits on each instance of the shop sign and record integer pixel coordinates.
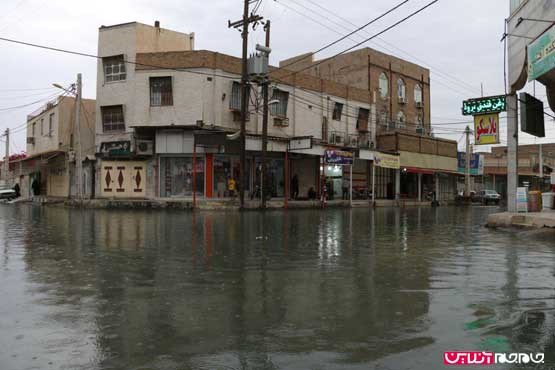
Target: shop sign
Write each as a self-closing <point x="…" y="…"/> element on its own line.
<point x="522" y="199"/>
<point x="486" y="129"/>
<point x="116" y="148"/>
<point x="387" y="161"/>
<point x="553" y="178"/>
<point x="339" y="157"/>
<point x="476" y="164"/>
<point x="490" y="104"/>
<point x="541" y="55"/>
<point x="298" y="143"/>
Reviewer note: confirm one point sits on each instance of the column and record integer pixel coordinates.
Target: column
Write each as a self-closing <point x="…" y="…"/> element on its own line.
<point x="512" y="152"/>
<point x="420" y="187"/>
<point x="436" y="175"/>
<point x="397" y="184"/>
<point x="209" y="175"/>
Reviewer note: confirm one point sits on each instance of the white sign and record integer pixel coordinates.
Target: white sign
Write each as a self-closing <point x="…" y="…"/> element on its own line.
<point x="297" y="143"/>
<point x="522" y="200"/>
<point x="553" y="178"/>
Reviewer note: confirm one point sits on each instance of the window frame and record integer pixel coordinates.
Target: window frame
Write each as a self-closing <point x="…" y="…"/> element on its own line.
<point x="103" y="112"/>
<point x="384" y="92"/>
<point x="401" y="120"/>
<point x="337" y="111"/>
<point x="364" y="127"/>
<point x="280" y="109"/>
<point x="401" y="90"/>
<point x="50" y="123"/>
<point x="121" y="64"/>
<point x="419" y="88"/>
<point x="33" y="127"/>
<point x="165" y="98"/>
<point x="42" y="127"/>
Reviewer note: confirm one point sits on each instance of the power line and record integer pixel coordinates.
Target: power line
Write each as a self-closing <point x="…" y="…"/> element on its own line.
<point x="28" y="104"/>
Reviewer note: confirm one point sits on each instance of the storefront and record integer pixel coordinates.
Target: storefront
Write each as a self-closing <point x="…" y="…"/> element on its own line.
<point x="336" y="171"/>
<point x="176" y="177"/>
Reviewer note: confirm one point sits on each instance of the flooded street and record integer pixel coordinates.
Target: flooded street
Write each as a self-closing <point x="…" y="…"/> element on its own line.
<point x="340" y="289"/>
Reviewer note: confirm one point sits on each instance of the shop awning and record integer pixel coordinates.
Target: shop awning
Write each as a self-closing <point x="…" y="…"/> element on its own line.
<point x="419" y="170"/>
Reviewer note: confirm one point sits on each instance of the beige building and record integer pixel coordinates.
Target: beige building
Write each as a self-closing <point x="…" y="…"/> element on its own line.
<point x="50" y="148"/>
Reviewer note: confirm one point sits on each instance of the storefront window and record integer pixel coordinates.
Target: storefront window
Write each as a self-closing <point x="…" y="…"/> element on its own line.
<point x="176" y="177"/>
<point x="276" y="176"/>
<point x="226" y="168"/>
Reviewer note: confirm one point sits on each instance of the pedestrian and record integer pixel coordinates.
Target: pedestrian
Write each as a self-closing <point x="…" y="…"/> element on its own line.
<point x="311" y="194"/>
<point x="231" y="187"/>
<point x="345" y="187"/>
<point x="35" y="186"/>
<point x="17" y="190"/>
<point x="295" y="187"/>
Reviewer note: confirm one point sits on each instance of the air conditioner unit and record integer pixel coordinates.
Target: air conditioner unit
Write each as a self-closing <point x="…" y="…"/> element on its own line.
<point x="71" y="156"/>
<point x="144" y="147"/>
<point x="364" y="143"/>
<point x="336" y="139"/>
<point x="402" y="100"/>
<point x="420" y="130"/>
<point x="419" y="104"/>
<point x="353" y="142"/>
<point x="391" y="126"/>
<point x="31" y="140"/>
<point x="281" y="121"/>
<point x="237" y="116"/>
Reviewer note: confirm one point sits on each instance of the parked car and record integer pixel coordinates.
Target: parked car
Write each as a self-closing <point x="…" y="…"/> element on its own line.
<point x="487" y="197"/>
<point x="6" y="192"/>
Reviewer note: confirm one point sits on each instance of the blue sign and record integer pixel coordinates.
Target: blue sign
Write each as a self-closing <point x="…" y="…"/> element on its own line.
<point x="476" y="163"/>
<point x="339" y="157"/>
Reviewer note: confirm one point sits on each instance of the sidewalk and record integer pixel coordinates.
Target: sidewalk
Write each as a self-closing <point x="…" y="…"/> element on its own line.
<point x="528" y="220"/>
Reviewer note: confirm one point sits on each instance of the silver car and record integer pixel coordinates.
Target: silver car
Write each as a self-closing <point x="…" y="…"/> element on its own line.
<point x="6" y="192"/>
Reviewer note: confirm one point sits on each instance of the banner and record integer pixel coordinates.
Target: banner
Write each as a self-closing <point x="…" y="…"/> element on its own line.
<point x="338" y="157"/>
<point x="387" y="160"/>
<point x="486" y="129"/>
<point x="541" y="55"/>
<point x="476" y="164"/>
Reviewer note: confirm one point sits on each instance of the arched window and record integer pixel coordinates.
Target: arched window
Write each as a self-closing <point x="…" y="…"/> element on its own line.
<point x="401" y="122"/>
<point x="418" y="94"/>
<point x="401" y="90"/>
<point x="384" y="86"/>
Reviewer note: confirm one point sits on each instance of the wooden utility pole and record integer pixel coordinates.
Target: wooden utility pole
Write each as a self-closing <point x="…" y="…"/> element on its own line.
<point x="265" y="124"/>
<point x="467" y="166"/>
<point x="244" y="23"/>
<point x="78" y="144"/>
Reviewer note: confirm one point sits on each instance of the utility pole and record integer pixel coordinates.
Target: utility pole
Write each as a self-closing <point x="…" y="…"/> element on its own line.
<point x="265" y="123"/>
<point x="467" y="166"/>
<point x="541" y="167"/>
<point x="78" y="149"/>
<point x="244" y="23"/>
<point x="512" y="151"/>
<point x="7" y="158"/>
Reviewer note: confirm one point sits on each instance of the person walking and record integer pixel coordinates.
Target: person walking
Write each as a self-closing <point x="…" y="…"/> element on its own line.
<point x="17" y="190"/>
<point x="345" y="186"/>
<point x="295" y="187"/>
<point x="231" y="187"/>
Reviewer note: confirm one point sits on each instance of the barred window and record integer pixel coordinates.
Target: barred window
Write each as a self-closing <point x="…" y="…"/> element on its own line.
<point x="279" y="109"/>
<point x="362" y="120"/>
<point x="161" y="93"/>
<point x="235" y="101"/>
<point x="337" y="111"/>
<point x="418" y="94"/>
<point x="112" y="118"/>
<point x="114" y="68"/>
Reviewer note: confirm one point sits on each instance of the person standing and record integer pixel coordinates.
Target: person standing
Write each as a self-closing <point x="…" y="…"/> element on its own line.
<point x="345" y="186"/>
<point x="17" y="190"/>
<point x="295" y="187"/>
<point x="231" y="187"/>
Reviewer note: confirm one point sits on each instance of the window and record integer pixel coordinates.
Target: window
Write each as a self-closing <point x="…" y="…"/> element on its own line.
<point x="279" y="109"/>
<point x="114" y="68"/>
<point x="401" y="90"/>
<point x="418" y="94"/>
<point x="50" y="123"/>
<point x="161" y="93"/>
<point x="384" y="86"/>
<point x="112" y="118"/>
<point x="33" y="129"/>
<point x="337" y="111"/>
<point x="362" y="120"/>
<point x="401" y="123"/>
<point x="235" y="102"/>
<point x="42" y="127"/>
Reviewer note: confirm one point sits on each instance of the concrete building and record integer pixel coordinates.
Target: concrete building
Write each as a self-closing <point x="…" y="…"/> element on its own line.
<point x="157" y="97"/>
<point x="529" y="36"/>
<point x="400" y="116"/>
<point x="50" y="159"/>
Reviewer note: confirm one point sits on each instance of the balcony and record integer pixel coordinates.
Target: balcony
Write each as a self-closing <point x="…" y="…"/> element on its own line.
<point x="412" y="142"/>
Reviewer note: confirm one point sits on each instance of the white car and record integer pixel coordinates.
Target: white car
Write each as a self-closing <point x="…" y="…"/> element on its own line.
<point x="6" y="192"/>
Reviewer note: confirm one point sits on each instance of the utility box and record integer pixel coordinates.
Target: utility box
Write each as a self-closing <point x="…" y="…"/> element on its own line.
<point x="257" y="67"/>
<point x="547" y="200"/>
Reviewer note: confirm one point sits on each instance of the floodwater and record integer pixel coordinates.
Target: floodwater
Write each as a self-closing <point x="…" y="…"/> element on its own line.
<point x="340" y="289"/>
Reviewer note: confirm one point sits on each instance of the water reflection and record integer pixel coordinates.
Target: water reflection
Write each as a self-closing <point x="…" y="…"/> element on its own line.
<point x="349" y="289"/>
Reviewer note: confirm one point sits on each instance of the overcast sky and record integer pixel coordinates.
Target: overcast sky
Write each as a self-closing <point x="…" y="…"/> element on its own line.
<point x="458" y="40"/>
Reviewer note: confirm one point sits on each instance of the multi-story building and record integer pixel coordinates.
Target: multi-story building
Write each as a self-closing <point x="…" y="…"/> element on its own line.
<point x="400" y="116"/>
<point x="50" y="160"/>
<point x="156" y="97"/>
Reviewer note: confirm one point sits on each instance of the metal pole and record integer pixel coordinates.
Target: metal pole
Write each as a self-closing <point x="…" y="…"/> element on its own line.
<point x="244" y="104"/>
<point x="194" y="185"/>
<point x="79" y="152"/>
<point x="373" y="183"/>
<point x="7" y="158"/>
<point x="541" y="168"/>
<point x="265" y="124"/>
<point x="286" y="204"/>
<point x="512" y="151"/>
<point x="467" y="165"/>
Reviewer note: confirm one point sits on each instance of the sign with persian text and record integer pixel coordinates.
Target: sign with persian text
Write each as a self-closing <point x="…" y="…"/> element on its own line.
<point x="387" y="161"/>
<point x="486" y="129"/>
<point x="339" y="157"/>
<point x="490" y="104"/>
<point x="522" y="199"/>
<point x="541" y="55"/>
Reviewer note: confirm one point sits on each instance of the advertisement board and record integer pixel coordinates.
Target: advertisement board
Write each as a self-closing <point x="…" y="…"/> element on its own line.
<point x="387" y="160"/>
<point x="522" y="199"/>
<point x="339" y="157"/>
<point x="490" y="104"/>
<point x="541" y="55"/>
<point x="476" y="164"/>
<point x="486" y="129"/>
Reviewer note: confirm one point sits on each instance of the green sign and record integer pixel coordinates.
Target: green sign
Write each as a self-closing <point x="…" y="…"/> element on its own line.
<point x="541" y="55"/>
<point x="490" y="104"/>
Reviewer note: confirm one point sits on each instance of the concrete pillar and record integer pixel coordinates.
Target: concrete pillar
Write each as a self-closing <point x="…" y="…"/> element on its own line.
<point x="436" y="175"/>
<point x="420" y="187"/>
<point x="397" y="184"/>
<point x="512" y="151"/>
